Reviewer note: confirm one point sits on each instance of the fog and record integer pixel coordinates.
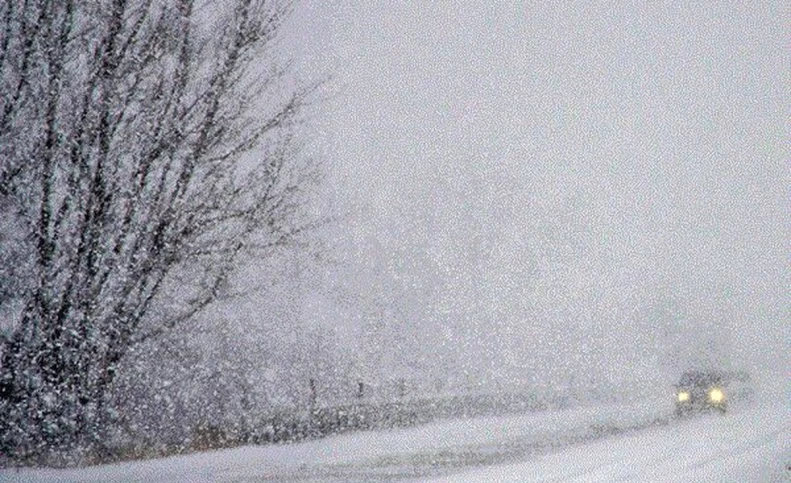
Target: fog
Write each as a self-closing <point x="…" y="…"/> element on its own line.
<point x="255" y="222"/>
<point x="548" y="194"/>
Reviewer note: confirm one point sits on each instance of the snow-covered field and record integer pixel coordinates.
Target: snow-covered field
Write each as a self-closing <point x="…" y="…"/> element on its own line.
<point x="615" y="443"/>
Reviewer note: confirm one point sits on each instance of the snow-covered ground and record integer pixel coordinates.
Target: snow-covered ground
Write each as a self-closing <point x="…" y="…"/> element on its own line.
<point x="615" y="443"/>
<point x="753" y="446"/>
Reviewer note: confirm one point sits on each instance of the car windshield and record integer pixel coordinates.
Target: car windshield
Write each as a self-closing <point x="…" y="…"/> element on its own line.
<point x="699" y="378"/>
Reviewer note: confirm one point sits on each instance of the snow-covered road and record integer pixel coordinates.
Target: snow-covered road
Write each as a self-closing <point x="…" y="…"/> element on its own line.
<point x="616" y="443"/>
<point x="752" y="446"/>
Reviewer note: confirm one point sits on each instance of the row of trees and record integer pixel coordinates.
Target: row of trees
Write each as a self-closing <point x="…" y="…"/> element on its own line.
<point x="146" y="148"/>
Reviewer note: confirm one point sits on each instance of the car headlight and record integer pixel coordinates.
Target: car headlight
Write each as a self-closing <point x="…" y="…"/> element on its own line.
<point x="716" y="395"/>
<point x="683" y="396"/>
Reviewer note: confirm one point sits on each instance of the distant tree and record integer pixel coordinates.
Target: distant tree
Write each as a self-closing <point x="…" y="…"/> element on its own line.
<point x="145" y="146"/>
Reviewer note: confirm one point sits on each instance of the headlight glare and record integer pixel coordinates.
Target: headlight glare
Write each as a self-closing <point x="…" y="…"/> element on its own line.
<point x="716" y="395"/>
<point x="683" y="396"/>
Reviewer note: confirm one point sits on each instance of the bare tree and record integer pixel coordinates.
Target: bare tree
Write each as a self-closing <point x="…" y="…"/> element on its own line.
<point x="145" y="146"/>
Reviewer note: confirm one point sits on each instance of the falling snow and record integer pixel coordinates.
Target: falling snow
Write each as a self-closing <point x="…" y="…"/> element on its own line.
<point x="477" y="242"/>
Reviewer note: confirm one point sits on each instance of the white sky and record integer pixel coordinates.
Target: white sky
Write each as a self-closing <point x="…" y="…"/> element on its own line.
<point x="540" y="175"/>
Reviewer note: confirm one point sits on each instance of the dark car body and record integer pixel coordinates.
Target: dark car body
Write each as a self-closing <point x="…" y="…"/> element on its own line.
<point x="701" y="390"/>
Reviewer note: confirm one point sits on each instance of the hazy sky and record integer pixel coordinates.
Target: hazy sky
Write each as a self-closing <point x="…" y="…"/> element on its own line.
<point x="541" y="178"/>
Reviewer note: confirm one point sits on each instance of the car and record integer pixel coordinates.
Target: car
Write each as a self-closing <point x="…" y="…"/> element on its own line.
<point x="701" y="391"/>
